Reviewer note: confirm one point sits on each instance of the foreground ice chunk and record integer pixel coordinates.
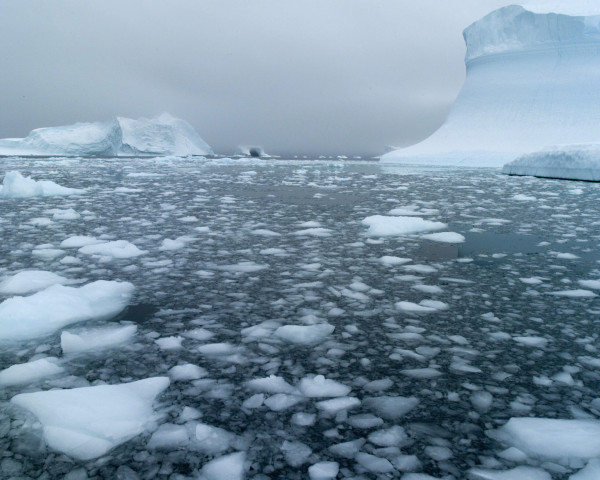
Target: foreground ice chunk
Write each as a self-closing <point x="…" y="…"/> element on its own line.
<point x="319" y="386"/>
<point x="520" y="473"/>
<point x="16" y="185"/>
<point x="57" y="306"/>
<point x="339" y="404"/>
<point x="87" y="422"/>
<point x="187" y="371"/>
<point x="384" y="226"/>
<point x="96" y="338"/>
<point x="30" y="281"/>
<point x="78" y="241"/>
<point x="552" y="439"/>
<point x="116" y="249"/>
<point x="212" y="440"/>
<point x="373" y="463"/>
<point x="169" y="436"/>
<point x="304" y="334"/>
<point x="30" y="372"/>
<point x="227" y="467"/>
<point x="590" y="472"/>
<point x="271" y="384"/>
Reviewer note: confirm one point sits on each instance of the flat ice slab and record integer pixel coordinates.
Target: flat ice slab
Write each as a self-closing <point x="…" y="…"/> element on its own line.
<point x="29" y="281"/>
<point x="87" y="422"/>
<point x="552" y="439"/>
<point x="386" y="226"/>
<point x="58" y="306"/>
<point x="33" y="371"/>
<point x="16" y="185"/>
<point x="569" y="162"/>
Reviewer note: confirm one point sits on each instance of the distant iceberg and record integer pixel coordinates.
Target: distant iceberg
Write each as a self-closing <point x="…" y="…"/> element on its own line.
<point x="251" y="151"/>
<point x="157" y="136"/>
<point x="571" y="162"/>
<point x="533" y="79"/>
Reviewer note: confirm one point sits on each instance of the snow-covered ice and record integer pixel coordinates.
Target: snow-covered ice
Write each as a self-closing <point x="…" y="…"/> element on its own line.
<point x="29" y="281"/>
<point x="30" y="372"/>
<point x="383" y="226"/>
<point x="84" y="340"/>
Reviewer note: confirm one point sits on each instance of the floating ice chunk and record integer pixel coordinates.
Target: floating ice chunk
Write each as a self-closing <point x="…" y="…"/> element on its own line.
<point x="365" y="420"/>
<point x="520" y="473"/>
<point x="552" y="439"/>
<point x="481" y="401"/>
<point x="574" y="293"/>
<point x="421" y="373"/>
<point x="78" y="241"/>
<point x="216" y="349"/>
<point x="116" y="249"/>
<point x="303" y="419"/>
<point x="532" y="280"/>
<point x="271" y="384"/>
<point x="296" y="453"/>
<point x="419" y="269"/>
<point x="262" y="232"/>
<point x="169" y="436"/>
<point x="444" y="237"/>
<point x="593" y="284"/>
<point x="390" y="260"/>
<point x="378" y="385"/>
<point x="255" y="401"/>
<point x="425" y="306"/>
<point x="30" y="372"/>
<point x="338" y="404"/>
<point x="412" y="210"/>
<point x="200" y="334"/>
<point x="391" y="408"/>
<point x="169" y="245"/>
<point x="418" y="476"/>
<point x="282" y="401"/>
<point x="532" y="341"/>
<point x="187" y="371"/>
<point x="243" y="267"/>
<point x="96" y="338"/>
<point x="385" y="226"/>
<point x="432" y="289"/>
<point x="16" y="185"/>
<point x="347" y="449"/>
<point x="169" y="343"/>
<point x="68" y="214"/>
<point x="30" y="281"/>
<point x="273" y="251"/>
<point x="524" y="198"/>
<point x="212" y="440"/>
<point x="314" y="232"/>
<point x="304" y="334"/>
<point x="373" y="463"/>
<point x="87" y="422"/>
<point x="391" y="437"/>
<point x="319" y="386"/>
<point x="590" y="472"/>
<point x="58" y="306"/>
<point x="567" y="256"/>
<point x="323" y="471"/>
<point x="227" y="467"/>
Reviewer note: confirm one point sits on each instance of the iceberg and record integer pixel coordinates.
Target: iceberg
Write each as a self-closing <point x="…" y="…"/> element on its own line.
<point x="570" y="162"/>
<point x="251" y="151"/>
<point x="532" y="81"/>
<point x="157" y="136"/>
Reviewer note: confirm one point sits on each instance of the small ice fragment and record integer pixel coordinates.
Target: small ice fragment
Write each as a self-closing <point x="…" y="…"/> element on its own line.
<point x="30" y="281"/>
<point x="227" y="467"/>
<point x="323" y="471"/>
<point x="119" y="249"/>
<point x="445" y="237"/>
<point x="304" y="334"/>
<point x="271" y="384"/>
<point x="383" y="226"/>
<point x="169" y="343"/>
<point x="391" y="437"/>
<point x="391" y="408"/>
<point x="295" y="453"/>
<point x="319" y="386"/>
<point x="373" y="463"/>
<point x="168" y="437"/>
<point x="521" y="473"/>
<point x="390" y="260"/>
<point x="338" y="404"/>
<point x="96" y="338"/>
<point x="282" y="401"/>
<point x="187" y="371"/>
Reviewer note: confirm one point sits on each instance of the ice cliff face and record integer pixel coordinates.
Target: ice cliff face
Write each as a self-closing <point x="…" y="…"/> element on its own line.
<point x="533" y="79"/>
<point x="161" y="135"/>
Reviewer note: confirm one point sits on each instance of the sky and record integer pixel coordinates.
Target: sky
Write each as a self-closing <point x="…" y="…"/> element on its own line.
<point x="294" y="76"/>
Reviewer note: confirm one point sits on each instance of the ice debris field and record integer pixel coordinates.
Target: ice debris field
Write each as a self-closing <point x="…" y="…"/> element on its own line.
<point x="225" y="319"/>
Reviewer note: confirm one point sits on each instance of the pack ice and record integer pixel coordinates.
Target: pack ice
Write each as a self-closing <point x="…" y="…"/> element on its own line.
<point x="157" y="136"/>
<point x="87" y="422"/>
<point x="532" y="81"/>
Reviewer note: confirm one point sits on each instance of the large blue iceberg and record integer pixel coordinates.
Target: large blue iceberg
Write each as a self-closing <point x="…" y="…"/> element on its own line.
<point x="533" y="80"/>
<point x="157" y="136"/>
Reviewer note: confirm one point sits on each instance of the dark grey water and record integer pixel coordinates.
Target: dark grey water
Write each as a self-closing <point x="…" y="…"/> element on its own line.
<point x="496" y="285"/>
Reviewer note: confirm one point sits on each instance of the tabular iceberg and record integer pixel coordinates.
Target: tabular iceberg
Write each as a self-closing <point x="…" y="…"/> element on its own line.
<point x="570" y="162"/>
<point x="533" y="80"/>
<point x="157" y="136"/>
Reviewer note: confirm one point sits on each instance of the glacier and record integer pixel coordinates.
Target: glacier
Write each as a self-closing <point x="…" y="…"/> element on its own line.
<point x="157" y="136"/>
<point x="532" y="81"/>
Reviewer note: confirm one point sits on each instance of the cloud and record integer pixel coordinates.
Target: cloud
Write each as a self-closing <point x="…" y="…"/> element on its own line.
<point x="341" y="76"/>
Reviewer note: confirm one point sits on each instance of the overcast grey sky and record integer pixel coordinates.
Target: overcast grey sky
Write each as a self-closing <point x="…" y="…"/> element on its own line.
<point x="311" y="76"/>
